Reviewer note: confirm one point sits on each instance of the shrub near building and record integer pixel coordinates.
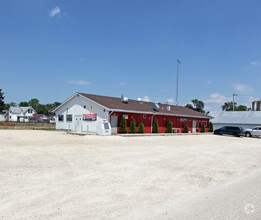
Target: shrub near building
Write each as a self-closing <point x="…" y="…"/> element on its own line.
<point x="186" y="129"/>
<point x="203" y="129"/>
<point x="132" y="127"/>
<point x="123" y="126"/>
<point x="210" y="129"/>
<point x="140" y="128"/>
<point x="155" y="128"/>
<point x="169" y="127"/>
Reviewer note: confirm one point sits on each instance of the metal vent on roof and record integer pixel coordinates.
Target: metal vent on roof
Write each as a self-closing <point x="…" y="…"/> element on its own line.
<point x="124" y="99"/>
<point x="168" y="107"/>
<point x="155" y="107"/>
<point x="139" y="100"/>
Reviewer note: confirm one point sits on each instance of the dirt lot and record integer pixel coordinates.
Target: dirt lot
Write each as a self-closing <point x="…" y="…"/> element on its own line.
<point x="53" y="175"/>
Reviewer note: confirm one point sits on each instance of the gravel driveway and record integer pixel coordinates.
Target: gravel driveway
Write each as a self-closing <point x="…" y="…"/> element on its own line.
<point x="54" y="175"/>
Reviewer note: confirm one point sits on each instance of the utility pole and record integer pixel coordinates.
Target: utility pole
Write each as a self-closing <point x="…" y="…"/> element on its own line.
<point x="234" y="101"/>
<point x="177" y="82"/>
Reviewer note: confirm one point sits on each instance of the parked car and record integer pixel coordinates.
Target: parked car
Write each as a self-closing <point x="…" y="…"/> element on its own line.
<point x="256" y="131"/>
<point x="230" y="130"/>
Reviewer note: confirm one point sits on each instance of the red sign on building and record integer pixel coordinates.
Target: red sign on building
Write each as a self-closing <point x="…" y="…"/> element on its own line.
<point x="89" y="117"/>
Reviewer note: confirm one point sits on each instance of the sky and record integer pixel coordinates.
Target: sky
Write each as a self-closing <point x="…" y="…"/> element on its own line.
<point x="50" y="49"/>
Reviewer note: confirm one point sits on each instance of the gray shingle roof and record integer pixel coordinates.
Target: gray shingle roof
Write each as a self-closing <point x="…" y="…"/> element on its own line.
<point x="116" y="103"/>
<point x="19" y="110"/>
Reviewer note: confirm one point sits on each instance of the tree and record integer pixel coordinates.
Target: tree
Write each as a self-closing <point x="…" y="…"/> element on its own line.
<point x="210" y="129"/>
<point x="199" y="105"/>
<point x="123" y="126"/>
<point x="203" y="129"/>
<point x="2" y="103"/>
<point x="228" y="106"/>
<point x="132" y="127"/>
<point x="196" y="105"/>
<point x="186" y="129"/>
<point x="24" y="104"/>
<point x="189" y="106"/>
<point x="35" y="104"/>
<point x="169" y="127"/>
<point x="7" y="106"/>
<point x="140" y="128"/>
<point x="241" y="108"/>
<point x="155" y="128"/>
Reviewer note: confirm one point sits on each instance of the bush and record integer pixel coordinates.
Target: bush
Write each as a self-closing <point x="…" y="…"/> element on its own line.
<point x="210" y="129"/>
<point x="140" y="128"/>
<point x="132" y="127"/>
<point x="155" y="128"/>
<point x="123" y="126"/>
<point x="186" y="129"/>
<point x="203" y="129"/>
<point x="169" y="127"/>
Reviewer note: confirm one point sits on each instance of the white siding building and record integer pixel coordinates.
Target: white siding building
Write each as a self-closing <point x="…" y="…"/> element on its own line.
<point x="21" y="114"/>
<point x="244" y="119"/>
<point x="69" y="115"/>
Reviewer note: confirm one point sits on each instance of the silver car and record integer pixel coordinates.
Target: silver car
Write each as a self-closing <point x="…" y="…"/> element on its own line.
<point x="256" y="131"/>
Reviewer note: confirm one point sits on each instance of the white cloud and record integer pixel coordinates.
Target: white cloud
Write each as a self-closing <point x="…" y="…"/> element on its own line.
<point x="146" y="99"/>
<point x="170" y="101"/>
<point x="255" y="63"/>
<point x="55" y="11"/>
<point x="122" y="84"/>
<point x="217" y="99"/>
<point x="243" y="88"/>
<point x="78" y="82"/>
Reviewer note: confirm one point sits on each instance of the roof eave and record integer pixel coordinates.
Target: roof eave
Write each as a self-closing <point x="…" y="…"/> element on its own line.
<point x="158" y="113"/>
<point x="67" y="100"/>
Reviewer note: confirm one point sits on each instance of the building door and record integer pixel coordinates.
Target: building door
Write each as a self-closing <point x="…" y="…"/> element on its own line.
<point x="194" y="126"/>
<point x="77" y="123"/>
<point x="114" y="124"/>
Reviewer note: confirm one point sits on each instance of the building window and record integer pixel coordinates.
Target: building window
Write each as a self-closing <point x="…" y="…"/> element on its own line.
<point x="30" y="111"/>
<point x="144" y="116"/>
<point x="69" y="118"/>
<point x="84" y="106"/>
<point x="183" y="120"/>
<point x="60" y="117"/>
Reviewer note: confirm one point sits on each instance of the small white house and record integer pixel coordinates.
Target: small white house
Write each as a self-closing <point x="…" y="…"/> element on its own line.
<point x="79" y="113"/>
<point x="244" y="119"/>
<point x="21" y="114"/>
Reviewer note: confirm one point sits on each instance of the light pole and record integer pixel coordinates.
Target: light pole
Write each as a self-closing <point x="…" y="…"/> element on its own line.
<point x="234" y="101"/>
<point x="177" y="82"/>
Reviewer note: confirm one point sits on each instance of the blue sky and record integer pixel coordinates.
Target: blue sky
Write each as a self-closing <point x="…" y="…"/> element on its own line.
<point x="50" y="49"/>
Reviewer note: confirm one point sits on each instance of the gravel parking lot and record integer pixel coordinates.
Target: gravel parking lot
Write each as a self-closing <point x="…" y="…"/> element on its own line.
<point x="54" y="175"/>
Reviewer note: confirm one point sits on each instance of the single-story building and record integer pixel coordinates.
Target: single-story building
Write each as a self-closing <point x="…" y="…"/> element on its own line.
<point x="86" y="112"/>
<point x="39" y="118"/>
<point x="21" y="114"/>
<point x="244" y="119"/>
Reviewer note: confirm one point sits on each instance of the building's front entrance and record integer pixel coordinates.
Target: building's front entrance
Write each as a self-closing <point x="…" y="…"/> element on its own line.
<point x="194" y="126"/>
<point x="78" y="123"/>
<point x="114" y="124"/>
